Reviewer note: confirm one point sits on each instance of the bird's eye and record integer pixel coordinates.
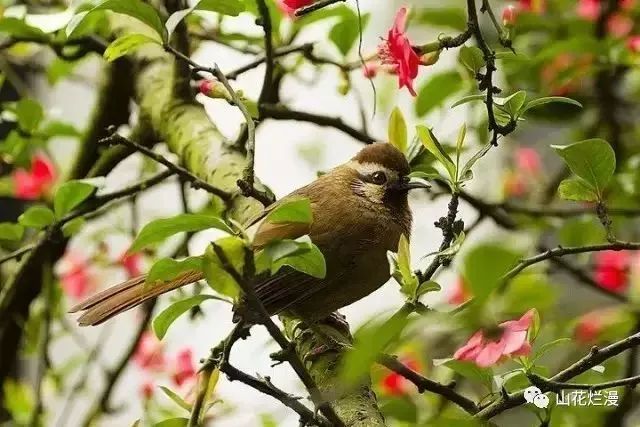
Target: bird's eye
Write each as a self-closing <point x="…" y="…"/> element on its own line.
<point x="378" y="178"/>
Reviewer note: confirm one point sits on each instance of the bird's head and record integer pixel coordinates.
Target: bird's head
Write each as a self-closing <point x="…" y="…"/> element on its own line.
<point x="381" y="174"/>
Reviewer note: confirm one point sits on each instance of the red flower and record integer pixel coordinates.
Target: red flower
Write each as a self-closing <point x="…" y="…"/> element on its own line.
<point x="398" y="52"/>
<point x="619" y="25"/>
<point x="527" y="160"/>
<point x="509" y="15"/>
<point x="34" y="183"/>
<point x="185" y="369"/>
<point x="633" y="44"/>
<point x="588" y="9"/>
<point x="611" y="270"/>
<point x="459" y="293"/>
<point x="512" y="341"/>
<point x="75" y="275"/>
<point x="132" y="263"/>
<point x="395" y="384"/>
<point x="149" y="354"/>
<point x="290" y="6"/>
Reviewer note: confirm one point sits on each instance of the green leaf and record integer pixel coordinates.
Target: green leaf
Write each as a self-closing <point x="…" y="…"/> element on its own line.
<point x="431" y="143"/>
<point x="37" y="217"/>
<point x="168" y="269"/>
<point x="309" y="261"/>
<point x="409" y="280"/>
<point x="165" y="319"/>
<point x="472" y="58"/>
<point x="69" y="195"/>
<point x="217" y="276"/>
<point x="370" y="340"/>
<point x="160" y="229"/>
<point x="468" y="370"/>
<point x="176" y="399"/>
<point x="29" y="114"/>
<point x="428" y="286"/>
<point x="469" y="98"/>
<point x="57" y="128"/>
<point x="126" y="44"/>
<point x="20" y="29"/>
<point x="19" y="400"/>
<point x="397" y="130"/>
<point x="224" y="7"/>
<point x="59" y="69"/>
<point x="292" y="210"/>
<point x="345" y="32"/>
<point x="452" y="17"/>
<point x="576" y="189"/>
<point x="512" y="103"/>
<point x="593" y="160"/>
<point x="73" y="227"/>
<point x="134" y="8"/>
<point x="548" y="100"/>
<point x="436" y="90"/>
<point x="462" y="133"/>
<point x="173" y="422"/>
<point x="11" y="231"/>
<point x="484" y="267"/>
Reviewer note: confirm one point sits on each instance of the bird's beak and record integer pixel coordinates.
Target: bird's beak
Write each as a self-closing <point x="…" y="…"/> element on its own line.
<point x="407" y="185"/>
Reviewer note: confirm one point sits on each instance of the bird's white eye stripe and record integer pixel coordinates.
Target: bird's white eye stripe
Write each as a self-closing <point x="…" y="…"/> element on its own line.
<point x="370" y="168"/>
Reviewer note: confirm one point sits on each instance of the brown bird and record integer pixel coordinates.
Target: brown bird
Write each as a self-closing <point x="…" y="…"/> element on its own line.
<point x="360" y="210"/>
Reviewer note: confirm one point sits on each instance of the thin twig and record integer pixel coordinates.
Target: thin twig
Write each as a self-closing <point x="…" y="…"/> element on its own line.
<point x="277" y="53"/>
<point x="17" y="253"/>
<point x="315" y="6"/>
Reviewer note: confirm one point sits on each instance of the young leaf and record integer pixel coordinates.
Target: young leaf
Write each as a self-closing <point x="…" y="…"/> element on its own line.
<point x="224" y="7"/>
<point x="29" y="113"/>
<point x="472" y="58"/>
<point x="165" y="319"/>
<point x="398" y="130"/>
<point x="436" y="90"/>
<point x="547" y="100"/>
<point x="467" y="99"/>
<point x="426" y="287"/>
<point x="73" y="227"/>
<point x="593" y="160"/>
<point x="217" y="276"/>
<point x="459" y="143"/>
<point x="293" y="210"/>
<point x="126" y="44"/>
<point x="576" y="189"/>
<point x="11" y="231"/>
<point x="512" y="103"/>
<point x="18" y="28"/>
<point x="134" y="8"/>
<point x="431" y="143"/>
<point x="70" y="195"/>
<point x="173" y="422"/>
<point x="176" y="399"/>
<point x="309" y="261"/>
<point x="409" y="280"/>
<point x="167" y="269"/>
<point x="160" y="229"/>
<point x="37" y="217"/>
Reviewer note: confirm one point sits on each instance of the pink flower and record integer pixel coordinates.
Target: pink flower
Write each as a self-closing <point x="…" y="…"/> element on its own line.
<point x="611" y="270"/>
<point x="290" y="6"/>
<point x="394" y="384"/>
<point x="397" y="51"/>
<point x="184" y="369"/>
<point x="511" y="341"/>
<point x="633" y="44"/>
<point x="588" y="9"/>
<point x="370" y="69"/>
<point x="34" y="183"/>
<point x="149" y="354"/>
<point x="509" y="15"/>
<point x="132" y="263"/>
<point x="528" y="160"/>
<point x="459" y="293"/>
<point x="76" y="277"/>
<point x="619" y="25"/>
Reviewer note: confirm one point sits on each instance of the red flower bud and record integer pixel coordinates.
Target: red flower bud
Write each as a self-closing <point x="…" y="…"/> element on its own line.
<point x="509" y="15"/>
<point x="633" y="44"/>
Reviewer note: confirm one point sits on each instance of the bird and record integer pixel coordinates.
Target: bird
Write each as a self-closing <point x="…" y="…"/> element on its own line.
<point x="360" y="211"/>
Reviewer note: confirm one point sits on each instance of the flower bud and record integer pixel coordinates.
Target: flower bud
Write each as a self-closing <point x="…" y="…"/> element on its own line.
<point x="509" y="16"/>
<point x="214" y="89"/>
<point x="430" y="58"/>
<point x="370" y="69"/>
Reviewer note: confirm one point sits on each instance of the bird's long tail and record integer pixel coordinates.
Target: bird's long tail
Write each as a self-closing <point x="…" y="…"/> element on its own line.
<point x="124" y="296"/>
